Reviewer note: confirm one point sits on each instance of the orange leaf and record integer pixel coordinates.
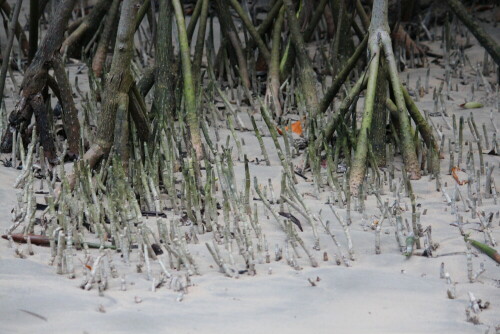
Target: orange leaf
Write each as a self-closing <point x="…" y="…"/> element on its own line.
<point x="296" y="127"/>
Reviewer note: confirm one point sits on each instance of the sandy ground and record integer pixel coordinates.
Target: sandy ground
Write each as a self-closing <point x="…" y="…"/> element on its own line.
<point x="384" y="293"/>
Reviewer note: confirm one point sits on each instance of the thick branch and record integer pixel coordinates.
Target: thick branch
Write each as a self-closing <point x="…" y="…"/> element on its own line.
<point x="44" y="127"/>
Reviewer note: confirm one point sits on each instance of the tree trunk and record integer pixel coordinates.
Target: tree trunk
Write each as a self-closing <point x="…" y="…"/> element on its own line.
<point x="379" y="41"/>
<point x="118" y="83"/>
<point x="378" y="127"/>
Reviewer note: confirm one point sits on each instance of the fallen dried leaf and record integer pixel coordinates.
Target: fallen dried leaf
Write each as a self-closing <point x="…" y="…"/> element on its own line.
<point x="455" y="176"/>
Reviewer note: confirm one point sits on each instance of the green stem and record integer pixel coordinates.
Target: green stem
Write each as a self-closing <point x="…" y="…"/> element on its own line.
<point x="141" y="13"/>
<point x="194" y="19"/>
<point x="491" y="252"/>
<point x="200" y="41"/>
<point x="333" y="124"/>
<point x="408" y="145"/>
<point x="423" y="127"/>
<point x="189" y="90"/>
<point x="358" y="167"/>
<point x="274" y="68"/>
